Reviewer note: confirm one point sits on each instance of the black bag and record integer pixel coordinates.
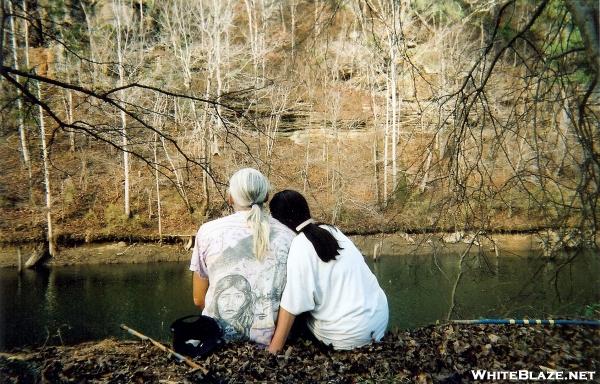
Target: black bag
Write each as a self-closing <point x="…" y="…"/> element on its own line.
<point x="196" y="335"/>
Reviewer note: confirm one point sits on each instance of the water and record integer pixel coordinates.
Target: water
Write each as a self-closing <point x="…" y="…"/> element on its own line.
<point x="81" y="303"/>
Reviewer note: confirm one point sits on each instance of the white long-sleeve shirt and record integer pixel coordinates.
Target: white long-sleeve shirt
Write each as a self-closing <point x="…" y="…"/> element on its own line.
<point x="348" y="307"/>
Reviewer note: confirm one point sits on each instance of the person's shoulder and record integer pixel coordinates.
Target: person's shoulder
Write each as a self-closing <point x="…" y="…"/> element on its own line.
<point x="335" y="231"/>
<point x="221" y="224"/>
<point x="302" y="252"/>
<point x="337" y="234"/>
<point x="281" y="230"/>
<point x="301" y="242"/>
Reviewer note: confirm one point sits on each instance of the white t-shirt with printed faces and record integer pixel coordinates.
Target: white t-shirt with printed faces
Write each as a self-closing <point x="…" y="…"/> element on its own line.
<point x="348" y="308"/>
<point x="243" y="293"/>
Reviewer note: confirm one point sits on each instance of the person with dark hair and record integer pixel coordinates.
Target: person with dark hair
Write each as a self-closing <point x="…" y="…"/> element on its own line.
<point x="327" y="278"/>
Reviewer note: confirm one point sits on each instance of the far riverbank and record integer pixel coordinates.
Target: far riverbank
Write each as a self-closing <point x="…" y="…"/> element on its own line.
<point x="378" y="245"/>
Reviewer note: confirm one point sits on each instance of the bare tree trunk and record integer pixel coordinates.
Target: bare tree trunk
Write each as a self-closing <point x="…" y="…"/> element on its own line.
<point x="585" y="16"/>
<point x="394" y="105"/>
<point x="68" y="100"/>
<point x="217" y="53"/>
<point x="562" y="131"/>
<point x="386" y="139"/>
<point x="22" y="133"/>
<point x="65" y="62"/>
<point x="306" y="157"/>
<point x="430" y="151"/>
<point x="122" y="98"/>
<point x="293" y="32"/>
<point x="376" y="171"/>
<point x="157" y="181"/>
<point x="252" y="31"/>
<point x="393" y="50"/>
<point x="71" y="133"/>
<point x="178" y="180"/>
<point x="375" y="135"/>
<point x="48" y="193"/>
<point x="88" y="24"/>
<point x="205" y="190"/>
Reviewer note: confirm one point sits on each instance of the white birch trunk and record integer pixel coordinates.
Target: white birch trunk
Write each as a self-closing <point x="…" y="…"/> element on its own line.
<point x="430" y="151"/>
<point x="68" y="101"/>
<point x="122" y="115"/>
<point x="293" y="14"/>
<point x="386" y="139"/>
<point x="306" y="158"/>
<point x="49" y="233"/>
<point x="88" y="24"/>
<point x="394" y="107"/>
<point x="562" y="132"/>
<point x="70" y="115"/>
<point x="178" y="179"/>
<point x="375" y="134"/>
<point x="157" y="182"/>
<point x="22" y="132"/>
<point x="251" y="31"/>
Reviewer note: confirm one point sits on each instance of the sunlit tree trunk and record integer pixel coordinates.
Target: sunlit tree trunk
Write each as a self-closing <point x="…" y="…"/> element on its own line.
<point x="157" y="183"/>
<point x="48" y="193"/>
<point x="386" y="140"/>
<point x="92" y="47"/>
<point x="122" y="101"/>
<point x="178" y="178"/>
<point x="306" y="171"/>
<point x="252" y="36"/>
<point x="293" y="6"/>
<point x="68" y="102"/>
<point x="431" y="148"/>
<point x="20" y="120"/>
<point x="392" y="41"/>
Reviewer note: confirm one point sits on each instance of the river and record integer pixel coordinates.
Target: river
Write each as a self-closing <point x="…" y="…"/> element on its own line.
<point x="88" y="302"/>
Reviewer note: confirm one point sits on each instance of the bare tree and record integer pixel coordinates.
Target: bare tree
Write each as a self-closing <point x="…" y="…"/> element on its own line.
<point x="20" y="112"/>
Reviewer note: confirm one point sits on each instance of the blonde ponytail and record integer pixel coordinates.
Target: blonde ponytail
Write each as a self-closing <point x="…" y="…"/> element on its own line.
<point x="249" y="189"/>
<point x="259" y="223"/>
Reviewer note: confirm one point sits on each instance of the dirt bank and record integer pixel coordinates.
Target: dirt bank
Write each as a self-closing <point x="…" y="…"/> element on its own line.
<point x="383" y="244"/>
<point x="103" y="253"/>
<point x="441" y="354"/>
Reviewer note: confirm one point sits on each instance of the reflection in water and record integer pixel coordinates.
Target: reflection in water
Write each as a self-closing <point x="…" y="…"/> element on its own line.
<point x="50" y="295"/>
<point x="419" y="288"/>
<point x="89" y="302"/>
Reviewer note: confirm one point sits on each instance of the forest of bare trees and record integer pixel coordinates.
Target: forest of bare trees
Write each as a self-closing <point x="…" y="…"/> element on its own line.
<point x="126" y="117"/>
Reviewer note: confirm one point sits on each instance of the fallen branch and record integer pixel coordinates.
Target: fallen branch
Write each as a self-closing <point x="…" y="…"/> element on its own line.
<point x="126" y="249"/>
<point x="178" y="356"/>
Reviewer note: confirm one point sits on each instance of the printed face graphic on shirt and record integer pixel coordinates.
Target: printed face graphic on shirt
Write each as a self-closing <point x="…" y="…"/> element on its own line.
<point x="230" y="302"/>
<point x="262" y="305"/>
<point x="233" y="303"/>
<point x="245" y="292"/>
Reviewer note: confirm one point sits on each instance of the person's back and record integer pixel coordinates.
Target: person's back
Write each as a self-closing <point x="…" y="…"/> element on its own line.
<point x="327" y="277"/>
<point x="350" y="309"/>
<point x="243" y="255"/>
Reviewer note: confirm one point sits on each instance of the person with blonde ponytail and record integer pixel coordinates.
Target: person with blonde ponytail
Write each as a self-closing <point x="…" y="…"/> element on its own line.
<point x="239" y="262"/>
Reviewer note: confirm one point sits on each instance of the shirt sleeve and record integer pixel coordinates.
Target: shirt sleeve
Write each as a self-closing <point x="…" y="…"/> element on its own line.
<point x="198" y="262"/>
<point x="299" y="292"/>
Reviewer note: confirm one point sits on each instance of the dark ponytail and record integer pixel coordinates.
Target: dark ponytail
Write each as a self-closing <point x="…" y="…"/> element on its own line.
<point x="291" y="208"/>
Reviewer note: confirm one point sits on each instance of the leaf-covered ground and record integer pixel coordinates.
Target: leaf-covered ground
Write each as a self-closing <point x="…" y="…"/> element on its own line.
<point x="444" y="354"/>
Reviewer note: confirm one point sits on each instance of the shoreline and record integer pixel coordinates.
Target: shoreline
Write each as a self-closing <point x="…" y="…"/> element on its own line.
<point x="381" y="244"/>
